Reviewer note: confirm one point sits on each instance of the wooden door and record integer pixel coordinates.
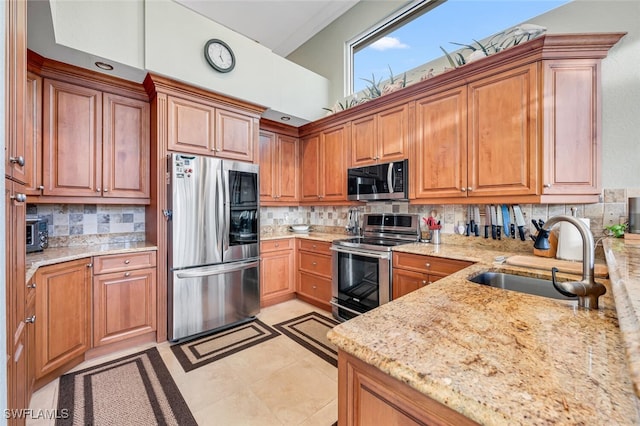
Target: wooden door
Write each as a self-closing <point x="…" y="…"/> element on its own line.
<point x="335" y="160"/>
<point x="407" y="281"/>
<point x="572" y="127"/>
<point x="72" y="140"/>
<point x="287" y="169"/>
<point x="503" y="134"/>
<point x="277" y="279"/>
<point x="125" y="171"/>
<point x="364" y="141"/>
<point x="441" y="145"/>
<point x="63" y="312"/>
<point x="124" y="305"/>
<point x="310" y="168"/>
<point x="392" y="134"/>
<point x="190" y="126"/>
<point x="33" y="135"/>
<point x="235" y="135"/>
<point x="268" y="166"/>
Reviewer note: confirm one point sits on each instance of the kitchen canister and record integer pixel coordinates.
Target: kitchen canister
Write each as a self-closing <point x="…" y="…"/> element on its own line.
<point x="570" y="241"/>
<point x="634" y="215"/>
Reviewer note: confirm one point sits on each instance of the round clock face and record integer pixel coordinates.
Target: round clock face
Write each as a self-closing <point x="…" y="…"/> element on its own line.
<point x="219" y="55"/>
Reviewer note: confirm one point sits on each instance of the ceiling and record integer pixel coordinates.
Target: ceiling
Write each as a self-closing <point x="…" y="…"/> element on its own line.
<point x="280" y="25"/>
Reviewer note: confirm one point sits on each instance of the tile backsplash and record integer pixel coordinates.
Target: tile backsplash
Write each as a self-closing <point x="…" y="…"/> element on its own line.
<point x="76" y="224"/>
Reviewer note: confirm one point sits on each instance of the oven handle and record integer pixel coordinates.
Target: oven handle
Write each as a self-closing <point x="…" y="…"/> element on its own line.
<point x="337" y="305"/>
<point x="378" y="255"/>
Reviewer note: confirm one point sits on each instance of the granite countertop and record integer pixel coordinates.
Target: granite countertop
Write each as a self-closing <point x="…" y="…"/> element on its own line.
<point x="496" y="356"/>
<point x="313" y="235"/>
<point x="55" y="255"/>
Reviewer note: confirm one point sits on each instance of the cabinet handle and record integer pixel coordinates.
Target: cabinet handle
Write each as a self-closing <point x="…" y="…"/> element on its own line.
<point x="314" y="287"/>
<point x="126" y="274"/>
<point x="31" y="285"/>
<point x="126" y="262"/>
<point x="428" y="265"/>
<point x="463" y="189"/>
<point x="20" y="198"/>
<point x="547" y="185"/>
<point x="470" y="189"/>
<point x="41" y="187"/>
<point x="105" y="190"/>
<point x="19" y="160"/>
<point x="424" y="282"/>
<point x="314" y="263"/>
<point x="30" y="320"/>
<point x="277" y="245"/>
<point x="98" y="190"/>
<point x="89" y="265"/>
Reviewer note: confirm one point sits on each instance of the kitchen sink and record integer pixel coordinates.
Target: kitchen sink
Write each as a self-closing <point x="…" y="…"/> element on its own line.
<point x="519" y="283"/>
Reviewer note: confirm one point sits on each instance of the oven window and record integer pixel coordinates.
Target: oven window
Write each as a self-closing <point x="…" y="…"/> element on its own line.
<point x="358" y="278"/>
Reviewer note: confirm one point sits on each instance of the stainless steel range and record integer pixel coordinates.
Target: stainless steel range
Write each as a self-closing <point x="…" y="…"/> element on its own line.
<point x="361" y="277"/>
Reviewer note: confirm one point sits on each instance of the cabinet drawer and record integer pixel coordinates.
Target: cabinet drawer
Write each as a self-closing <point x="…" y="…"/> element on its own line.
<point x="314" y="286"/>
<point x="123" y="262"/>
<point x="431" y="264"/>
<point x="317" y="246"/>
<point x="276" y="245"/>
<point x="315" y="263"/>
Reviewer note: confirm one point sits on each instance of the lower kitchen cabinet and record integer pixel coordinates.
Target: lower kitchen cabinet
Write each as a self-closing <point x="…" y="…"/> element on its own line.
<point x="413" y="271"/>
<point x="124" y="296"/>
<point x="277" y="273"/>
<point x="314" y="272"/>
<point x="367" y="396"/>
<point x="63" y="312"/>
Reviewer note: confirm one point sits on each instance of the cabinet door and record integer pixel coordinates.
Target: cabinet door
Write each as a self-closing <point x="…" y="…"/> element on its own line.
<point x="124" y="305"/>
<point x="503" y="134"/>
<point x="407" y="281"/>
<point x="287" y="170"/>
<point x="268" y="166"/>
<point x="392" y="132"/>
<point x="125" y="171"/>
<point x="63" y="312"/>
<point x="364" y="136"/>
<point x="277" y="279"/>
<point x="235" y="135"/>
<point x="72" y="140"/>
<point x="190" y="126"/>
<point x="335" y="160"/>
<point x="310" y="169"/>
<point x="572" y="142"/>
<point x="33" y="135"/>
<point x="441" y="144"/>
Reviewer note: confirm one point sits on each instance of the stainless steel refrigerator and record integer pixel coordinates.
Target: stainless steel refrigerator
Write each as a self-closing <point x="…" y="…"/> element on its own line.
<point x="213" y="244"/>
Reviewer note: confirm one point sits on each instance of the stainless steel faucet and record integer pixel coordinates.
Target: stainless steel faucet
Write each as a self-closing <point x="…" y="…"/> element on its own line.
<point x="587" y="290"/>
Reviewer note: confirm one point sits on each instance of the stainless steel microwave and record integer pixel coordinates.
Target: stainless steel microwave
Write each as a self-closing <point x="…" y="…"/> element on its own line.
<point x="37" y="236"/>
<point x="380" y="182"/>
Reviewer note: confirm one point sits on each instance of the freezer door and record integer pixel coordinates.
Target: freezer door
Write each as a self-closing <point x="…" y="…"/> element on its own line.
<point x="206" y="298"/>
<point x="196" y="199"/>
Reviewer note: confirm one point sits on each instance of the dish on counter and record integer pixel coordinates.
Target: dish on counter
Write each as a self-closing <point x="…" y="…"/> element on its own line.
<point x="299" y="228"/>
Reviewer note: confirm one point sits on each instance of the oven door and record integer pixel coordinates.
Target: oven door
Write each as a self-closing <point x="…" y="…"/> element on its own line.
<point x="360" y="281"/>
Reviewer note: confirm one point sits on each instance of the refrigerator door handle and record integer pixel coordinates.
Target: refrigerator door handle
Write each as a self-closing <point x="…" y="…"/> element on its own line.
<point x="217" y="269"/>
<point x="222" y="208"/>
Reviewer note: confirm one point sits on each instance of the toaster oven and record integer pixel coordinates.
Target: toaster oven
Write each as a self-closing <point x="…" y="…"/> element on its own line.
<point x="37" y="235"/>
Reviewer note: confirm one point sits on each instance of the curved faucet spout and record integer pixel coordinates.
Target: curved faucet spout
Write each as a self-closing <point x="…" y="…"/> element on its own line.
<point x="587" y="290"/>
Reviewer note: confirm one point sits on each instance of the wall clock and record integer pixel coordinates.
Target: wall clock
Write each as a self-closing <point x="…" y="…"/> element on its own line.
<point x="219" y="55"/>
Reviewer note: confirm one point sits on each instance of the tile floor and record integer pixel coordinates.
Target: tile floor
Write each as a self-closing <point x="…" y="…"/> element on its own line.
<point x="277" y="382"/>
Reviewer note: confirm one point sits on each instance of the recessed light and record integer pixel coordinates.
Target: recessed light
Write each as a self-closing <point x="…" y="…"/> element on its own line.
<point x="285" y="118"/>
<point x="104" y="66"/>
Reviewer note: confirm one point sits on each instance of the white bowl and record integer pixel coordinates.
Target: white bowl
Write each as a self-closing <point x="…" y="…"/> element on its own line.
<point x="300" y="228"/>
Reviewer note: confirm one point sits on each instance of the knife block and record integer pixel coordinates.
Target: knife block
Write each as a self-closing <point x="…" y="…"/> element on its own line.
<point x="553" y="247"/>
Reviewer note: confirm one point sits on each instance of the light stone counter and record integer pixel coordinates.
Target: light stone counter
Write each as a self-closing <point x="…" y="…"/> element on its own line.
<point x="52" y="256"/>
<point x="496" y="356"/>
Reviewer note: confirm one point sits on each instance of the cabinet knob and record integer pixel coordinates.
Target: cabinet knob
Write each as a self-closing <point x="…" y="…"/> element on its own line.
<point x="277" y="244"/>
<point x="314" y="287"/>
<point x="126" y="262"/>
<point x="463" y="189"/>
<point x="98" y="189"/>
<point x="31" y="285"/>
<point x="547" y="185"/>
<point x="126" y="274"/>
<point x="314" y="263"/>
<point x="41" y="187"/>
<point x="17" y="160"/>
<point x="424" y="282"/>
<point x="105" y="190"/>
<point x="30" y="320"/>
<point x="428" y="265"/>
<point x="89" y="265"/>
<point x="470" y="189"/>
<point x="20" y="198"/>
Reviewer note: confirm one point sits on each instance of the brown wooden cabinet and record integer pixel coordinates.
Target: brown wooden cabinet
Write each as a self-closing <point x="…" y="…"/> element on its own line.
<point x="368" y="396"/>
<point x="63" y="313"/>
<point x="278" y="169"/>
<point x="95" y="144"/>
<point x="277" y="271"/>
<point x="313" y="281"/>
<point x="323" y="165"/>
<point x="413" y="271"/>
<point x="124" y="296"/>
<point x="33" y="135"/>
<point x="380" y="137"/>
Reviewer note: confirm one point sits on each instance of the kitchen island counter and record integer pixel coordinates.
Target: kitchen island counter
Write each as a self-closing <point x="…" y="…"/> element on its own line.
<point x="497" y="356"/>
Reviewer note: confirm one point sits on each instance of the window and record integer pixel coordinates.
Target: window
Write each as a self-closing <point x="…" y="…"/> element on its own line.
<point x="416" y="35"/>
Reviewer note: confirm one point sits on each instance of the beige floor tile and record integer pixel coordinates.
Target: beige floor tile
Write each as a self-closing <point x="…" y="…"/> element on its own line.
<point x="241" y="408"/>
<point x="295" y="393"/>
<point x="326" y="416"/>
<point x="46" y="398"/>
<point x="287" y="310"/>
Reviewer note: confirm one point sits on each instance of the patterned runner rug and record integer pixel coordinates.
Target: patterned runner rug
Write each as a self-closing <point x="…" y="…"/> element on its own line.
<point x="133" y="390"/>
<point x="202" y="351"/>
<point x="310" y="330"/>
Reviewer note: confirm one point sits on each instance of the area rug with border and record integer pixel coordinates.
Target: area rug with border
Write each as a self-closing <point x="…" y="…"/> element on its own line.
<point x="136" y="390"/>
<point x="204" y="350"/>
<point x="310" y="330"/>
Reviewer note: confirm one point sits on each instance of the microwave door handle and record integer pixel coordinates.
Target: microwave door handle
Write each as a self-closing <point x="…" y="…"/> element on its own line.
<point x="390" y="178"/>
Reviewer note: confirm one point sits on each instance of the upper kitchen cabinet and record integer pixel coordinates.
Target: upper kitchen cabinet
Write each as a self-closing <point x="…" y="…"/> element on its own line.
<point x="323" y="165"/>
<point x="200" y="122"/>
<point x="380" y="137"/>
<point x="278" y="165"/>
<point x="89" y="135"/>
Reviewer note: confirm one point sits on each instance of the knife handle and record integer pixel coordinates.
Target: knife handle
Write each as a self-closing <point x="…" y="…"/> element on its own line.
<point x="498" y="232"/>
<point x="466" y="230"/>
<point x="513" y="230"/>
<point x="486" y="231"/>
<point x="476" y="230"/>
<point x="493" y="231"/>
<point x="521" y="232"/>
